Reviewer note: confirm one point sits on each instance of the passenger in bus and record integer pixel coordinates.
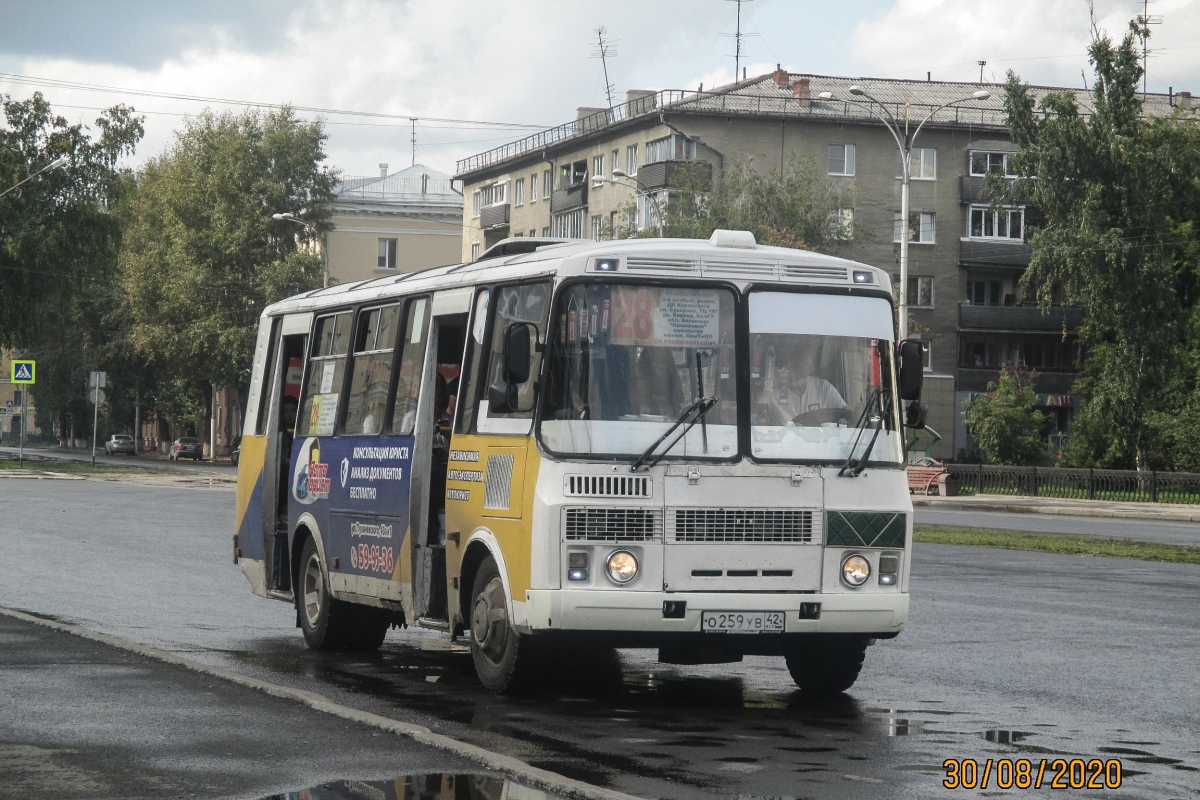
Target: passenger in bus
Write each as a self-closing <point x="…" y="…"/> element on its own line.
<point x="798" y="390"/>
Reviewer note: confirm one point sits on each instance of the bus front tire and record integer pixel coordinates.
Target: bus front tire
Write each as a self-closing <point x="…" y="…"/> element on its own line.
<point x="828" y="665"/>
<point x="495" y="644"/>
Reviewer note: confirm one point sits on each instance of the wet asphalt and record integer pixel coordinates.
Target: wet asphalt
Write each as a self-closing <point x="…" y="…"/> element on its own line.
<point x="1008" y="656"/>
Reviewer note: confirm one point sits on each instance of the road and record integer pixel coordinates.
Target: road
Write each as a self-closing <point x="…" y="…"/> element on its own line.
<point x="1008" y="655"/>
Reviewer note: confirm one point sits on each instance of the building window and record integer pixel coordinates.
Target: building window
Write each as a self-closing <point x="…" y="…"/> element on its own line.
<point x="841" y="159"/>
<point x="841" y="224"/>
<point x="631" y="160"/>
<point x="569" y="225"/>
<point x="533" y="231"/>
<point x="496" y="194"/>
<point x="920" y="291"/>
<point x="612" y="225"/>
<point x="670" y="148"/>
<point x="474" y="251"/>
<point x="614" y="160"/>
<point x="922" y="164"/>
<point x="598" y="166"/>
<point x="572" y="174"/>
<point x="546" y="185"/>
<point x="597" y="226"/>
<point x="476" y="203"/>
<point x="546" y="232"/>
<point x="985" y="292"/>
<point x="983" y="163"/>
<point x="921" y="227"/>
<point x="387" y="254"/>
<point x="519" y="192"/>
<point x="533" y="188"/>
<point x="648" y="207"/>
<point x="1004" y="223"/>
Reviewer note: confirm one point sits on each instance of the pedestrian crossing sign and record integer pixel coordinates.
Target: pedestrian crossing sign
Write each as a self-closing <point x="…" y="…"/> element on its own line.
<point x="24" y="371"/>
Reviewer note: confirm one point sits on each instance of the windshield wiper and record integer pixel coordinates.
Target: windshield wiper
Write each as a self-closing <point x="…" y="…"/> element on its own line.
<point x="690" y="416"/>
<point x="854" y="468"/>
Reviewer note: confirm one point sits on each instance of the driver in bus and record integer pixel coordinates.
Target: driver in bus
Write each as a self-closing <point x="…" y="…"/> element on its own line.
<point x="799" y="390"/>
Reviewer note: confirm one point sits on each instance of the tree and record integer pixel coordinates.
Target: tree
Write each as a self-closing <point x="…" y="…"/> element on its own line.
<point x="202" y="255"/>
<point x="796" y="207"/>
<point x="59" y="238"/>
<point x="1120" y="201"/>
<point x="1006" y="426"/>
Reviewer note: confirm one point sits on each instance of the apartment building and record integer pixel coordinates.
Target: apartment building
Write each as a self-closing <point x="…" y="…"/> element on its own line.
<point x="965" y="257"/>
<point x="402" y="222"/>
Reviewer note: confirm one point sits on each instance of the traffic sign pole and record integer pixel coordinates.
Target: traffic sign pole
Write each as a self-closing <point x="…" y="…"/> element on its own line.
<point x="24" y="374"/>
<point x="24" y="425"/>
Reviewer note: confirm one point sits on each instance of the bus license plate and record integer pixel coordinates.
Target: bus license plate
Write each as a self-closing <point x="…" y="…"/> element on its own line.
<point x="741" y="621"/>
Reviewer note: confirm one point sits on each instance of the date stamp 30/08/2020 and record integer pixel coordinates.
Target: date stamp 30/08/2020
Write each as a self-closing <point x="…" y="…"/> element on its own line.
<point x="1024" y="773"/>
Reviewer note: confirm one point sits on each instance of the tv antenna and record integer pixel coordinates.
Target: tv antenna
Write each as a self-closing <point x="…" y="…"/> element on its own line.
<point x="414" y="141"/>
<point x="603" y="51"/>
<point x="1145" y="20"/>
<point x="982" y="64"/>
<point x="737" y="50"/>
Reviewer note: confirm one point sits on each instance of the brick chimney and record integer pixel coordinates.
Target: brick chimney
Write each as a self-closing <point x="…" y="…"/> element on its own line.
<point x="801" y="92"/>
<point x="1184" y="100"/>
<point x="781" y="77"/>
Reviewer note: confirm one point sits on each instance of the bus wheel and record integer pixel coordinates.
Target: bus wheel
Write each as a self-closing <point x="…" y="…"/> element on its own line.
<point x="494" y="642"/>
<point x="827" y="665"/>
<point x="324" y="621"/>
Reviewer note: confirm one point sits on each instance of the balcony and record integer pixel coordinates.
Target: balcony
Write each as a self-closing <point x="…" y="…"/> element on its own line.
<point x="1018" y="318"/>
<point x="976" y="379"/>
<point x="997" y="253"/>
<point x="494" y="217"/>
<point x="664" y="174"/>
<point x="975" y="189"/>
<point x="569" y="197"/>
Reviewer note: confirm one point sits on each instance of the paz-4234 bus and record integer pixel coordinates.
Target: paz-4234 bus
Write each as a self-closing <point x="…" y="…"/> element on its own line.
<point x="692" y="446"/>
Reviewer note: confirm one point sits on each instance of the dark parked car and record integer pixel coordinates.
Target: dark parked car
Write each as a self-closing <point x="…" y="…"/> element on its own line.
<point x="186" y="447"/>
<point x="120" y="443"/>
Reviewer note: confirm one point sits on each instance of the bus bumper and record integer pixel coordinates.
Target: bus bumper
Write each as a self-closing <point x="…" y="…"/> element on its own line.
<point x="647" y="612"/>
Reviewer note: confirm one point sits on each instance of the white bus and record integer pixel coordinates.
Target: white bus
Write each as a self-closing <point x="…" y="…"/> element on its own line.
<point x="693" y="446"/>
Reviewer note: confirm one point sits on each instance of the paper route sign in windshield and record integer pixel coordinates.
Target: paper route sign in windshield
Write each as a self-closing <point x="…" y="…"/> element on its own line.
<point x="651" y="316"/>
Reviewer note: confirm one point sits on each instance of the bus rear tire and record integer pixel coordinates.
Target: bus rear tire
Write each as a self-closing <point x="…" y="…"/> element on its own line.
<point x="495" y="645"/>
<point x="828" y="665"/>
<point x="327" y="623"/>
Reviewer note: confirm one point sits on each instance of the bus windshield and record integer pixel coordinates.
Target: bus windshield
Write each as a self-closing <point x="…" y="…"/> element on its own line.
<point x="819" y="366"/>
<point x="627" y="360"/>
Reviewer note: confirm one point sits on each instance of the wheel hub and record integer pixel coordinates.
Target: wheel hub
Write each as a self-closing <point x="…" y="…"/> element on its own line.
<point x="489" y="619"/>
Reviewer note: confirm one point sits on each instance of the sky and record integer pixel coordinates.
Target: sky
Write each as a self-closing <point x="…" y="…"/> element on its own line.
<point x="463" y="76"/>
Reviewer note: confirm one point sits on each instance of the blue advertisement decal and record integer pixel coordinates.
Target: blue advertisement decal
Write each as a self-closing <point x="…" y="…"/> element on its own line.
<point x="357" y="489"/>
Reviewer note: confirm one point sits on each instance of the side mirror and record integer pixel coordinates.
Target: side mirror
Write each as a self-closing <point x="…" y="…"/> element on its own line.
<point x="912" y="369"/>
<point x="518" y="345"/>
<point x="914" y="415"/>
<point x="518" y="352"/>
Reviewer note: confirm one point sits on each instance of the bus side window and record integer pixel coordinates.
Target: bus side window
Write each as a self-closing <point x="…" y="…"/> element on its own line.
<point x="371" y="370"/>
<point x="412" y="366"/>
<point x="326" y="370"/>
<point x="514" y="305"/>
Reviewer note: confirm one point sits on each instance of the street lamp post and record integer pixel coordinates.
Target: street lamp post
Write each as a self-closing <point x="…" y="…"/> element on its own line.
<point x="290" y="217"/>
<point x="904" y="140"/>
<point x="636" y="185"/>
<point x="61" y="161"/>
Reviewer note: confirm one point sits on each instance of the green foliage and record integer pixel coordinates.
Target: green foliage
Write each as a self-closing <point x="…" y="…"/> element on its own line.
<point x="57" y="231"/>
<point x="1006" y="426"/>
<point x="202" y="254"/>
<point x="1120" y="199"/>
<point x="793" y="209"/>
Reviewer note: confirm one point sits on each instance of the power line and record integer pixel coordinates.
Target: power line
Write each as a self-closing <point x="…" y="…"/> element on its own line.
<point x="88" y="87"/>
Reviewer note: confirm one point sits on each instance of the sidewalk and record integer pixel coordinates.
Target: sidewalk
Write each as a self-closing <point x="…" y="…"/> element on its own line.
<point x="1166" y="512"/>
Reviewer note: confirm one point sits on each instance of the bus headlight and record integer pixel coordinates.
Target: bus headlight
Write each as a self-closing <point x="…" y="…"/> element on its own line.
<point x="855" y="570"/>
<point x="622" y="566"/>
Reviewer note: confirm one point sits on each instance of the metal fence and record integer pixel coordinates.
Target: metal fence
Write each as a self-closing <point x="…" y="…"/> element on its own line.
<point x="1090" y="484"/>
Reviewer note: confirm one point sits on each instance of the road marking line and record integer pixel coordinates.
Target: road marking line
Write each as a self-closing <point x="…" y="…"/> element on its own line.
<point x="498" y="762"/>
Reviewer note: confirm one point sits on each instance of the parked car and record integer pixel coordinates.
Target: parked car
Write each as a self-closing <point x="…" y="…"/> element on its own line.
<point x="120" y="443"/>
<point x="186" y="447"/>
<point x="235" y="454"/>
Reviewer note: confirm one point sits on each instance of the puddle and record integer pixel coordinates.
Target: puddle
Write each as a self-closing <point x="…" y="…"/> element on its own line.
<point x="484" y="786"/>
<point x="1007" y="737"/>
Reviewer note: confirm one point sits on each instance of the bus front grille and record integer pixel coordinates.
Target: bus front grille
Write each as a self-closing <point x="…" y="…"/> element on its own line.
<point x="600" y="524"/>
<point x="607" y="486"/>
<point x="789" y="525"/>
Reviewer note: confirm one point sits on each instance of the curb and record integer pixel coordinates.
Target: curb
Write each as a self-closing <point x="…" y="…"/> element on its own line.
<point x="507" y="765"/>
<point x="1069" y="511"/>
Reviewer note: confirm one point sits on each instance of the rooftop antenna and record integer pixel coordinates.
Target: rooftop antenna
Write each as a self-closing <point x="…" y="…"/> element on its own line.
<point x="603" y="51"/>
<point x="1145" y="20"/>
<point x="982" y="64"/>
<point x="737" y="50"/>
<point x="413" y="120"/>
